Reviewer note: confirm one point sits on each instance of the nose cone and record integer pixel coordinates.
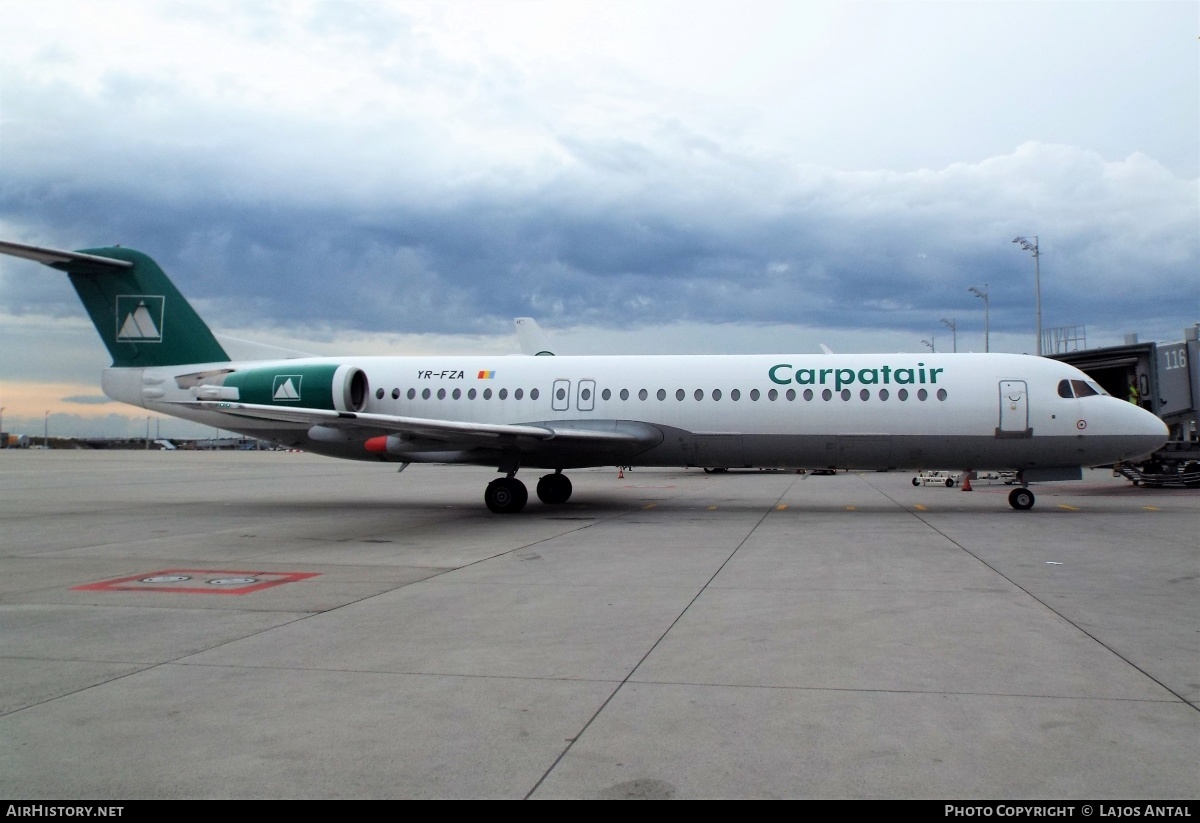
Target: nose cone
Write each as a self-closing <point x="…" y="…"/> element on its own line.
<point x="1149" y="432"/>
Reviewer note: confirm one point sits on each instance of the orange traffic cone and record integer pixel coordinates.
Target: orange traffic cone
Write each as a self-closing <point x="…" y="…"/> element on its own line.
<point x="620" y="472"/>
<point x="966" y="484"/>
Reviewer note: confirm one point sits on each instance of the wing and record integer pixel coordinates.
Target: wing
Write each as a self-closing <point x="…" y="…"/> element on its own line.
<point x="455" y="434"/>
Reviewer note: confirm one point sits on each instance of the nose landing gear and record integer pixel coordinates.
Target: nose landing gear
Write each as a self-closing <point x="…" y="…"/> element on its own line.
<point x="1020" y="498"/>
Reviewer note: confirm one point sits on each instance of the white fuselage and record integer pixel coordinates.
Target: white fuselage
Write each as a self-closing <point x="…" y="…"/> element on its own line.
<point x="871" y="411"/>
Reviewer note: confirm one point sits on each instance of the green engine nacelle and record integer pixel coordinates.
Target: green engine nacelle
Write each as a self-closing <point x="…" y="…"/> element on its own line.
<point x="324" y="386"/>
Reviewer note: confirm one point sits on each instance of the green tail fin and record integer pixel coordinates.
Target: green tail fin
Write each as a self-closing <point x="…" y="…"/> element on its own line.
<point x="140" y="315"/>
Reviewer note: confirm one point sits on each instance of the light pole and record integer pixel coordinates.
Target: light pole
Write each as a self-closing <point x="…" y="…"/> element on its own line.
<point x="986" y="320"/>
<point x="147" y="432"/>
<point x="953" y="331"/>
<point x="46" y="430"/>
<point x="929" y="343"/>
<point x="1037" y="283"/>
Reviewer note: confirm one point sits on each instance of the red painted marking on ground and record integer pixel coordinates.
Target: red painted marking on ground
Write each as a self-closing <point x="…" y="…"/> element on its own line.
<point x="255" y="581"/>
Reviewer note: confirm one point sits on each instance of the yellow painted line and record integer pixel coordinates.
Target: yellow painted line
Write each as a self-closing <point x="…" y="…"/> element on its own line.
<point x="1068" y="508"/>
<point x="921" y="508"/>
<point x="781" y="507"/>
<point x="651" y="506"/>
<point x="712" y="508"/>
<point x="1152" y="508"/>
<point x="851" y="508"/>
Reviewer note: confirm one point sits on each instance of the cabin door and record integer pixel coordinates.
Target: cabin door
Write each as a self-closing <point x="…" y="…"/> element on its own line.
<point x="1014" y="409"/>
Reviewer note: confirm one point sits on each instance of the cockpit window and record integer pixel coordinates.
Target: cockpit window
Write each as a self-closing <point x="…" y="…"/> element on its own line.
<point x="1082" y="388"/>
<point x="1064" y="388"/>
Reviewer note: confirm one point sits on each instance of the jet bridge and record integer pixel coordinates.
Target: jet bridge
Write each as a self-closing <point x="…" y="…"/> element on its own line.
<point x="1166" y="377"/>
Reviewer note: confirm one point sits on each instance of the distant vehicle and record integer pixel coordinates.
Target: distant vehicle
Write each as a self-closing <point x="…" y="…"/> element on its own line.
<point x="936" y="478"/>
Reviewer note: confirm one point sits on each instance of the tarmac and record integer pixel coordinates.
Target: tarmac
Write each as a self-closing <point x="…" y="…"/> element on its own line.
<point x="190" y="625"/>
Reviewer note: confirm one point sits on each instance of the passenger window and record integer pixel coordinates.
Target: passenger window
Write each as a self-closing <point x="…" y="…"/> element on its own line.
<point x="519" y="393"/>
<point x="533" y="394"/>
<point x="754" y="394"/>
<point x="1082" y="389"/>
<point x="1064" y="388"/>
<point x="624" y="394"/>
<point x="716" y="394"/>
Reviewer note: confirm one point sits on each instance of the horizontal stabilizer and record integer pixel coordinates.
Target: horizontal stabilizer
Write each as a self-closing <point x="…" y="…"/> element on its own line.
<point x="61" y="259"/>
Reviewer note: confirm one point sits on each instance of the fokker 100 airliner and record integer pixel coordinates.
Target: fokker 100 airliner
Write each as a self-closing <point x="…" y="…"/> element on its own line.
<point x="1043" y="419"/>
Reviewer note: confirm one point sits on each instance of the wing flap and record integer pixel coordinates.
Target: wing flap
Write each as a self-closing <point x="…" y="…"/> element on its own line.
<point x="449" y="431"/>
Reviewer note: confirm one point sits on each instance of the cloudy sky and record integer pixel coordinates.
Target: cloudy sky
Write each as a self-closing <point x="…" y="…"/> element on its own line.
<point x="653" y="176"/>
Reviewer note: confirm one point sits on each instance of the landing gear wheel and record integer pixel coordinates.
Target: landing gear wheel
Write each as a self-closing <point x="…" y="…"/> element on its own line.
<point x="554" y="488"/>
<point x="949" y="482"/>
<point x="506" y="495"/>
<point x="1020" y="499"/>
<point x="916" y="482"/>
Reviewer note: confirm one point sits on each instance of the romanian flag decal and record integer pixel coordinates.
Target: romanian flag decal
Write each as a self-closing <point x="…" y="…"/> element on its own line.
<point x="487" y="375"/>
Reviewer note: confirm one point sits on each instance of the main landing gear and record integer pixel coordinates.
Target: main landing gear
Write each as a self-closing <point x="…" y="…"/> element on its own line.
<point x="508" y="495"/>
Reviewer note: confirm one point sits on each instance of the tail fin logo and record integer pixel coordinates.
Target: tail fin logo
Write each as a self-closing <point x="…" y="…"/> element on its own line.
<point x="140" y="318"/>
<point x="286" y="388"/>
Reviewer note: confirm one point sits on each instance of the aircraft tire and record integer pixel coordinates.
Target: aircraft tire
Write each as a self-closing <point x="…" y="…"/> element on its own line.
<point x="505" y="495"/>
<point x="1021" y="499"/>
<point x="916" y="482"/>
<point x="553" y="489"/>
<point x="949" y="482"/>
